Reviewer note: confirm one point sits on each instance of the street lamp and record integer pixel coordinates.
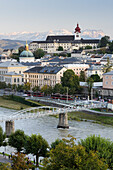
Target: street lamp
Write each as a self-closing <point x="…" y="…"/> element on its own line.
<point x="67" y="94"/>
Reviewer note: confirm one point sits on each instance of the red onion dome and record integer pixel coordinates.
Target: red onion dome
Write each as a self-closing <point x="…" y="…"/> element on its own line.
<point x="77" y="29"/>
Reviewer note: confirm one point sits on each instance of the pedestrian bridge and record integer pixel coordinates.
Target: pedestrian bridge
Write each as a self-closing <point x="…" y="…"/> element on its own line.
<point x="34" y="112"/>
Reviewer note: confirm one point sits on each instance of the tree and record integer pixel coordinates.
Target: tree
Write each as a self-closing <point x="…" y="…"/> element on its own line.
<point x="88" y="47"/>
<point x="60" y="48"/>
<point x="36" y="88"/>
<point x="19" y="161"/>
<point x="5" y="166"/>
<point x="111" y="47"/>
<point x="95" y="77"/>
<point x="26" y="86"/>
<point x="17" y="140"/>
<point x="2" y="136"/>
<point x="54" y="144"/>
<point x="104" y="41"/>
<point x="104" y="148"/>
<point x="69" y="79"/>
<point x="69" y="156"/>
<point x="39" y="53"/>
<point x="107" y="67"/>
<point x="82" y="76"/>
<point x="36" y="145"/>
<point x="20" y="49"/>
<point x="90" y="84"/>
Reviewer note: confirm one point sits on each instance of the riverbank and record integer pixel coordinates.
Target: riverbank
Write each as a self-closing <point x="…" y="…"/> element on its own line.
<point x="10" y="104"/>
<point x="94" y="118"/>
<point x="83" y="116"/>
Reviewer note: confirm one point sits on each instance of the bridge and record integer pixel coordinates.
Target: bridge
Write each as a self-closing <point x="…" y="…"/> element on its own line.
<point x="35" y="112"/>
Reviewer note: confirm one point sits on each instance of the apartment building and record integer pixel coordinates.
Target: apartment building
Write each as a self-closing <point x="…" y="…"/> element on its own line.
<point x="40" y="76"/>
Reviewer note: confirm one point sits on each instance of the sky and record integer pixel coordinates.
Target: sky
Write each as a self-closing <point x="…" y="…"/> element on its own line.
<point x="45" y="15"/>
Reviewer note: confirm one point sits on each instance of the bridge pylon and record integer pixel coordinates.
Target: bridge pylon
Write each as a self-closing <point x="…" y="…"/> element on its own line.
<point x="63" y="121"/>
<point x="9" y="127"/>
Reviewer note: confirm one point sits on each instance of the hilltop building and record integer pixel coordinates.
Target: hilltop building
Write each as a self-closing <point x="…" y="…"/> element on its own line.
<point x="68" y="42"/>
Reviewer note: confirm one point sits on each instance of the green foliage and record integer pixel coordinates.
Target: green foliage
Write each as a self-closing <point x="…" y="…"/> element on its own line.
<point x="46" y="89"/>
<point x="20" y="99"/>
<point x="104" y="147"/>
<point x="2" y="85"/>
<point x="20" y="49"/>
<point x="58" y="88"/>
<point x="26" y="86"/>
<point x="60" y="48"/>
<point x="54" y="144"/>
<point x="2" y="136"/>
<point x="88" y="47"/>
<point x="95" y="77"/>
<point x="82" y="76"/>
<point x="104" y="41"/>
<point x="36" y="88"/>
<point x="5" y="166"/>
<point x="39" y="53"/>
<point x="19" y="162"/>
<point x="70" y="80"/>
<point x="17" y="140"/>
<point x="111" y="47"/>
<point x="90" y="84"/>
<point x="69" y="156"/>
<point x="107" y="67"/>
<point x="36" y="145"/>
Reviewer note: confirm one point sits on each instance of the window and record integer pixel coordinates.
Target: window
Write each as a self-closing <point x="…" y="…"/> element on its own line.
<point x="18" y="80"/>
<point x="112" y="83"/>
<point x="106" y="77"/>
<point x="15" y="80"/>
<point x="106" y="82"/>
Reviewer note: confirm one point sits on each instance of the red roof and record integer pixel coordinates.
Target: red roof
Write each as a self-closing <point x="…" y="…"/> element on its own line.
<point x="77" y="29"/>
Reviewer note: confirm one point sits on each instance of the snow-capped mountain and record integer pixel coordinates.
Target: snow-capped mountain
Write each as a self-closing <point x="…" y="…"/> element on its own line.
<point x="42" y="35"/>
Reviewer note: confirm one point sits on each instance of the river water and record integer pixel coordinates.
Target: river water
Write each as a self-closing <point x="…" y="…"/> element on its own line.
<point x="47" y="127"/>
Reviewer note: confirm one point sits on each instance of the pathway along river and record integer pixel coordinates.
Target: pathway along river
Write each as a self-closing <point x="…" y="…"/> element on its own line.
<point x="47" y="127"/>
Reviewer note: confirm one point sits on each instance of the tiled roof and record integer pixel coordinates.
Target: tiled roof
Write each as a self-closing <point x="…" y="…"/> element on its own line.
<point x="11" y="64"/>
<point x="45" y="69"/>
<point x="33" y="70"/>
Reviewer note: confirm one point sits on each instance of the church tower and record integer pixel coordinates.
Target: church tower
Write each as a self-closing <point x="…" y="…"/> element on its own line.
<point x="77" y="33"/>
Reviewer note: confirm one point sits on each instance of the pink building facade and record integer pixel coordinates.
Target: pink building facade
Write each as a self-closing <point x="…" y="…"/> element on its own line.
<point x="108" y="80"/>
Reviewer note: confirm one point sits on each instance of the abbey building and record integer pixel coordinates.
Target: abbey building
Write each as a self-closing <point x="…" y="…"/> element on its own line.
<point x="68" y="42"/>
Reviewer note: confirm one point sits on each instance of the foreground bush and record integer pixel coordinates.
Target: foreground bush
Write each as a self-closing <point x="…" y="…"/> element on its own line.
<point x="103" y="146"/>
<point x="69" y="156"/>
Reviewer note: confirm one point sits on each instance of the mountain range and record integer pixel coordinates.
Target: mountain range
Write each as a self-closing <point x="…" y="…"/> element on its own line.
<point x="17" y="39"/>
<point x="42" y="35"/>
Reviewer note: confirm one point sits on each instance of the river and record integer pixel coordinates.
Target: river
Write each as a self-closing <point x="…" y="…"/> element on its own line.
<point x="47" y="127"/>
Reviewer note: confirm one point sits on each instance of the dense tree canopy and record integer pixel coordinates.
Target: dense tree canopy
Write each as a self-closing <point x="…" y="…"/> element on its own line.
<point x="20" y="49"/>
<point x="104" y="148"/>
<point x="82" y="76"/>
<point x="69" y="156"/>
<point x="107" y="67"/>
<point x="36" y="145"/>
<point x="104" y="41"/>
<point x="2" y="136"/>
<point x="39" y="53"/>
<point x="88" y="47"/>
<point x="95" y="77"/>
<point x="17" y="140"/>
<point x="60" y="48"/>
<point x="70" y="80"/>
